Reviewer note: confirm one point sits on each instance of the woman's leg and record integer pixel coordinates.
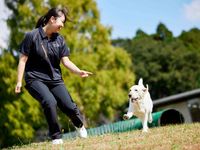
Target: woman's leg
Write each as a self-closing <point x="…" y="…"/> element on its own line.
<point x="42" y="93"/>
<point x="67" y="105"/>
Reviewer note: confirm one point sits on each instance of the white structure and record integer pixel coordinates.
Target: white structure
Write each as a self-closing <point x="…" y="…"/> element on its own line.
<point x="185" y="106"/>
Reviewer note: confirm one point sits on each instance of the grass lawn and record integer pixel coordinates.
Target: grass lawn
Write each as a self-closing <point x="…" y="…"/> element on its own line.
<point x="172" y="137"/>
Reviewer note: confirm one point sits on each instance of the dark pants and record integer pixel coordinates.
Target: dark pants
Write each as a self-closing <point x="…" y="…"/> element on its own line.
<point x="51" y="96"/>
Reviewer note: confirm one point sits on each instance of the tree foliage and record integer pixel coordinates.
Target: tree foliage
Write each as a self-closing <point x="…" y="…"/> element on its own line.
<point x="17" y="113"/>
<point x="169" y="65"/>
<point x="191" y="39"/>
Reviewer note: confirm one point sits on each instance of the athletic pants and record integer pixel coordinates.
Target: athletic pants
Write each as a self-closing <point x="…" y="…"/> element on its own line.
<point x="51" y="96"/>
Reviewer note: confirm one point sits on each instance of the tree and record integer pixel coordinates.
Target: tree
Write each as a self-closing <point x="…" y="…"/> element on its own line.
<point x="162" y="33"/>
<point x="191" y="39"/>
<point x="169" y="65"/>
<point x="14" y="124"/>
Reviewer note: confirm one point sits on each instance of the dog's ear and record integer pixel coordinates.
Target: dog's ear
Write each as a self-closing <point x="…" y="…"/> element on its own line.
<point x="144" y="89"/>
<point x="147" y="87"/>
<point x="140" y="82"/>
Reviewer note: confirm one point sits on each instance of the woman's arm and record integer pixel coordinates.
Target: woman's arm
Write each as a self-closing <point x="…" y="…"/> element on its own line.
<point x="20" y="72"/>
<point x="72" y="67"/>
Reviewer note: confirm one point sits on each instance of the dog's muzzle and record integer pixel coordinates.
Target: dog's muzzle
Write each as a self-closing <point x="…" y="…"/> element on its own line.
<point x="132" y="99"/>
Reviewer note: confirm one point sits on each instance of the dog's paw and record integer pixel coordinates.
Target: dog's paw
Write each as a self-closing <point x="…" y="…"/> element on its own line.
<point x="125" y="117"/>
<point x="145" y="130"/>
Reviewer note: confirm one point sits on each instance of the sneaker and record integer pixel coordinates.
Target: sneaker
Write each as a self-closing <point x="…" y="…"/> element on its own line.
<point x="57" y="141"/>
<point x="82" y="132"/>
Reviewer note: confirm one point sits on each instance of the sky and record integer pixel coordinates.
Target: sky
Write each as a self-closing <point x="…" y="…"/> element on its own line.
<point x="127" y="16"/>
<point x="4" y="32"/>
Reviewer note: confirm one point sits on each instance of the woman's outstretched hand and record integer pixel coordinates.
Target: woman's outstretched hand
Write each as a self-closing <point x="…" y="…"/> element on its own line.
<point x="84" y="73"/>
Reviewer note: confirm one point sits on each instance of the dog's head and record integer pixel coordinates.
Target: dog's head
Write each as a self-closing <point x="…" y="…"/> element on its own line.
<point x="137" y="92"/>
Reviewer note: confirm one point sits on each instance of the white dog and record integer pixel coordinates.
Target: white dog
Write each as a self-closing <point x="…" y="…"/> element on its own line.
<point x="140" y="104"/>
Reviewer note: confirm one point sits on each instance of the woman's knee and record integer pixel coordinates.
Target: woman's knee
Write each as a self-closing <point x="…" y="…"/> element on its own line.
<point x="48" y="101"/>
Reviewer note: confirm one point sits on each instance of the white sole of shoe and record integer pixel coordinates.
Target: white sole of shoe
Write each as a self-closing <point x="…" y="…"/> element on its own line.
<point x="57" y="141"/>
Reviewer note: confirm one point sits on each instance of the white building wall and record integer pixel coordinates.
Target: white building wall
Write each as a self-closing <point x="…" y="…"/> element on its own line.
<point x="182" y="107"/>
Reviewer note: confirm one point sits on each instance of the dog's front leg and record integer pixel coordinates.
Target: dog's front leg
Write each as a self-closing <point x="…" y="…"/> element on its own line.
<point x="144" y="122"/>
<point x="129" y="114"/>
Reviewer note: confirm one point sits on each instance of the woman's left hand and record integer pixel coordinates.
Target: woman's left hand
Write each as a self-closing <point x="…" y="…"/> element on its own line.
<point x="84" y="73"/>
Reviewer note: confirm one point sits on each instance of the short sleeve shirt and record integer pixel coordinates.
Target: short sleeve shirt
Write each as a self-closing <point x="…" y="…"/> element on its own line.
<point x="44" y="56"/>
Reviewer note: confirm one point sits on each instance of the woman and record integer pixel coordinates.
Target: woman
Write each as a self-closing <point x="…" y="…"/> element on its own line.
<point x="41" y="52"/>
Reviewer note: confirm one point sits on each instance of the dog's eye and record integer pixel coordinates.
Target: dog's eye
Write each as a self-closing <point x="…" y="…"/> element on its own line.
<point x="135" y="90"/>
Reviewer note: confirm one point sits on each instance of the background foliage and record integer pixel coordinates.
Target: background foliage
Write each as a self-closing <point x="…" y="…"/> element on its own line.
<point x="168" y="64"/>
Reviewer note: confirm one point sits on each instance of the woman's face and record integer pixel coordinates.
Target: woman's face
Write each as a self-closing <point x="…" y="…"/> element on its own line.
<point x="57" y="23"/>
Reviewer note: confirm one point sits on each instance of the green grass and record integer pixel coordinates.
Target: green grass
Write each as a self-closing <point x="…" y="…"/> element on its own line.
<point x="172" y="137"/>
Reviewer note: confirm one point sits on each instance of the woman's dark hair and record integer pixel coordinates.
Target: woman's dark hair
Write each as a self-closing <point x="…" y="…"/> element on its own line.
<point x="55" y="12"/>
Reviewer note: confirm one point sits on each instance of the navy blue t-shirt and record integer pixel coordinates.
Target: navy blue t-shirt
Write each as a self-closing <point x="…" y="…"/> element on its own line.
<point x="44" y="56"/>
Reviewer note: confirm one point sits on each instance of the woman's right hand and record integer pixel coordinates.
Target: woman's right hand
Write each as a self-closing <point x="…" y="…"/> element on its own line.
<point x="18" y="87"/>
<point x="20" y="71"/>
